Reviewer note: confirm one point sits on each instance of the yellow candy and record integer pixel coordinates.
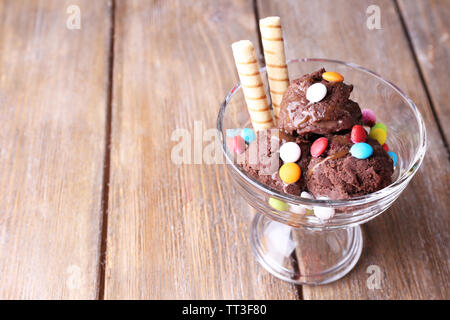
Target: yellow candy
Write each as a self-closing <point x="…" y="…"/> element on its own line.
<point x="290" y="172"/>
<point x="332" y="76"/>
<point x="378" y="134"/>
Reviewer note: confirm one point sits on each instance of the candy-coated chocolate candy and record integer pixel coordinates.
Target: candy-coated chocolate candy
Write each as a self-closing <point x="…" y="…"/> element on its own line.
<point x="290" y="152"/>
<point x="361" y="150"/>
<point x="393" y="157"/>
<point x="324" y="213"/>
<point x="319" y="146"/>
<point x="381" y="126"/>
<point x="290" y="172"/>
<point x="307" y="195"/>
<point x="303" y="209"/>
<point x="238" y="144"/>
<point x="316" y="92"/>
<point x="299" y="209"/>
<point x="378" y="134"/>
<point x="358" y="134"/>
<point x="332" y="76"/>
<point x="385" y="147"/>
<point x="232" y="132"/>
<point x="248" y="135"/>
<point x="368" y="117"/>
<point x="278" y="204"/>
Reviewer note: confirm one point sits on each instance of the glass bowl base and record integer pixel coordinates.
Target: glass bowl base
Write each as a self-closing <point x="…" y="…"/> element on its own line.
<point x="303" y="256"/>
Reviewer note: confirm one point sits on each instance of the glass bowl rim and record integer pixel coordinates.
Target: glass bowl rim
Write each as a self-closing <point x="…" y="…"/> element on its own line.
<point x="371" y="197"/>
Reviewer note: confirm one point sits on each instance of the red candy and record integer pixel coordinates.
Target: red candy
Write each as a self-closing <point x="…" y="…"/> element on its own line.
<point x="319" y="146"/>
<point x="238" y="144"/>
<point x="386" y="147"/>
<point x="358" y="134"/>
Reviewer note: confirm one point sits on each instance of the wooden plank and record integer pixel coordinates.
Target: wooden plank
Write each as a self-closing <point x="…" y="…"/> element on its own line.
<point x="410" y="241"/>
<point x="52" y="109"/>
<point x="428" y="25"/>
<point x="176" y="231"/>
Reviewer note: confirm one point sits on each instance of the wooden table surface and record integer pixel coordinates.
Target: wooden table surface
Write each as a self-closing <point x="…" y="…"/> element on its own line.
<point x="91" y="205"/>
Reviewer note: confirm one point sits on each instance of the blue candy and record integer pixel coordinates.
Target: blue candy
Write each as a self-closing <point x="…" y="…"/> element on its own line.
<point x="393" y="157"/>
<point x="233" y="132"/>
<point x="361" y="150"/>
<point x="248" y="135"/>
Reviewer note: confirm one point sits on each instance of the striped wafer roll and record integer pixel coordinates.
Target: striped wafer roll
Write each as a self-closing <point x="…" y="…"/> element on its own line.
<point x="277" y="72"/>
<point x="251" y="82"/>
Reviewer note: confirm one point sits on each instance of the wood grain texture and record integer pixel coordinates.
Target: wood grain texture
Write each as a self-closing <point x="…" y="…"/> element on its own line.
<point x="52" y="114"/>
<point x="428" y="24"/>
<point x="176" y="231"/>
<point x="410" y="241"/>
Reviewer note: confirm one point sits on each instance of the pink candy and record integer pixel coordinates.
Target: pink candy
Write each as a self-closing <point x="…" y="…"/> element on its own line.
<point x="368" y="117"/>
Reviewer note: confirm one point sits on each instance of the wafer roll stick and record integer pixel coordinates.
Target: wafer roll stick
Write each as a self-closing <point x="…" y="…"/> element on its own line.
<point x="251" y="82"/>
<point x="277" y="72"/>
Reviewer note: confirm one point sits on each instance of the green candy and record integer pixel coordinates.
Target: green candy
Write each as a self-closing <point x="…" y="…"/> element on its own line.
<point x="278" y="204"/>
<point x="379" y="125"/>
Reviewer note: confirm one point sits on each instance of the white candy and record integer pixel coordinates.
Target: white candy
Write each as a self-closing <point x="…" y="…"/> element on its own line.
<point x="307" y="195"/>
<point x="302" y="209"/>
<point x="298" y="209"/>
<point x="316" y="92"/>
<point x="323" y="213"/>
<point x="290" y="152"/>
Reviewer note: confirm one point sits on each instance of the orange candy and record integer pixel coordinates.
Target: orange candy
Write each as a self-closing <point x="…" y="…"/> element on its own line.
<point x="290" y="172"/>
<point x="332" y="76"/>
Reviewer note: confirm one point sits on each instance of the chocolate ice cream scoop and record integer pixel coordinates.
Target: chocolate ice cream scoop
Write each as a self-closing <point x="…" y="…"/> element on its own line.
<point x="334" y="113"/>
<point x="261" y="160"/>
<point x="336" y="174"/>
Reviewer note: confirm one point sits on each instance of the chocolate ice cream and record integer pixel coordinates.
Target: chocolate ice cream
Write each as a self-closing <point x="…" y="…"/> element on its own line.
<point x="333" y="171"/>
<point x="261" y="160"/>
<point x="334" y="113"/>
<point x="336" y="174"/>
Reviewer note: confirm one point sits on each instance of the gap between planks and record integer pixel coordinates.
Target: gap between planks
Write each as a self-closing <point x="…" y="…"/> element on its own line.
<point x="421" y="76"/>
<point x="260" y="45"/>
<point x="107" y="157"/>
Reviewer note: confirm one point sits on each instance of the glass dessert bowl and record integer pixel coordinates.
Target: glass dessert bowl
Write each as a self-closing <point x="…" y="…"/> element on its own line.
<point x="288" y="239"/>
